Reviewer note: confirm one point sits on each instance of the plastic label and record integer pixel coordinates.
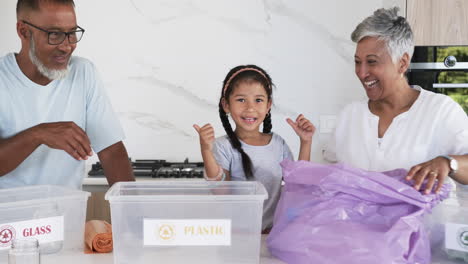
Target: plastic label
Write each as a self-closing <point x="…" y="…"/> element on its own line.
<point x="187" y="232"/>
<point x="44" y="230"/>
<point x="456" y="237"/>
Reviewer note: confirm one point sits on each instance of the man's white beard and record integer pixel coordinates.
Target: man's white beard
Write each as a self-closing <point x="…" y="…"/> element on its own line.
<point x="48" y="73"/>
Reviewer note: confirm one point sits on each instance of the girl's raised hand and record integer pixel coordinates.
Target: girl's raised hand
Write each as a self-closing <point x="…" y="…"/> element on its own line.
<point x="207" y="136"/>
<point x="303" y="127"/>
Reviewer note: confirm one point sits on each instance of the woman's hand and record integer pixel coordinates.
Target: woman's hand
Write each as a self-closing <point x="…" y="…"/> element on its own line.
<point x="435" y="169"/>
<point x="303" y="128"/>
<point x="207" y="136"/>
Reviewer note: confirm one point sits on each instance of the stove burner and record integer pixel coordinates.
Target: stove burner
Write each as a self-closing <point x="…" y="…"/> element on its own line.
<point x="158" y="169"/>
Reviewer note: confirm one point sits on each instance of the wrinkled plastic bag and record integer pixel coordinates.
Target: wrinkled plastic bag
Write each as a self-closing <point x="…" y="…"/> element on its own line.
<point x="339" y="214"/>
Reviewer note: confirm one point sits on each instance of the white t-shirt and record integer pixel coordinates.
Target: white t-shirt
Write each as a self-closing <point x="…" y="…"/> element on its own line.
<point x="434" y="125"/>
<point x="79" y="97"/>
<point x="266" y="167"/>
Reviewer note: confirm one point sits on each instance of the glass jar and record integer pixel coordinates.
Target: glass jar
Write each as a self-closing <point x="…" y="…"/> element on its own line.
<point x="24" y="251"/>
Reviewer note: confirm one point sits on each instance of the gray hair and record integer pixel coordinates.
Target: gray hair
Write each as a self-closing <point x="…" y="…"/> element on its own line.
<point x="50" y="74"/>
<point x="386" y="25"/>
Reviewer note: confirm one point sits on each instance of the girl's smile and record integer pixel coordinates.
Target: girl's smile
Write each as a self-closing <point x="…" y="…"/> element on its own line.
<point x="249" y="120"/>
<point x="248" y="105"/>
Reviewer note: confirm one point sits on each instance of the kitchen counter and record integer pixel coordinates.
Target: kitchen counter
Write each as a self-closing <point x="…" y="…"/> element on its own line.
<point x="81" y="258"/>
<point x="102" y="181"/>
<point x="99" y="184"/>
<point x="95" y="181"/>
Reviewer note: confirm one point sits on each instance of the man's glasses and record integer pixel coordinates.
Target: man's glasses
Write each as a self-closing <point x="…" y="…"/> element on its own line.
<point x="57" y="37"/>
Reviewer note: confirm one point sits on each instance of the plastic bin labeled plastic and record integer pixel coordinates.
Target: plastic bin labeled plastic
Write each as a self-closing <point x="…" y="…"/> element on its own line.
<point x="54" y="215"/>
<point x="186" y="222"/>
<point x="448" y="230"/>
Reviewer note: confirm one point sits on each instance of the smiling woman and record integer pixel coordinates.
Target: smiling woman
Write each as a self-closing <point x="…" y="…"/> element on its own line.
<point x="380" y="76"/>
<point x="399" y="126"/>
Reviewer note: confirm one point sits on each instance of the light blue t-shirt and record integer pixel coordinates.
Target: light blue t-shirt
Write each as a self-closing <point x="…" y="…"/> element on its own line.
<point x="79" y="97"/>
<point x="266" y="167"/>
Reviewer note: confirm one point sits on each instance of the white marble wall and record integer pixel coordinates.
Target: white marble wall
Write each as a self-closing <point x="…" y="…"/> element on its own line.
<point x="163" y="61"/>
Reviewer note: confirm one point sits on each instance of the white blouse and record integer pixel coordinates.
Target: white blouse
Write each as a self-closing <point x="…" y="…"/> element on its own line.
<point x="434" y="125"/>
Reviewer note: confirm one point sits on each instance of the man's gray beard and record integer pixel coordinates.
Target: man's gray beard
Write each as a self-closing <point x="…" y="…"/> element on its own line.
<point x="46" y="72"/>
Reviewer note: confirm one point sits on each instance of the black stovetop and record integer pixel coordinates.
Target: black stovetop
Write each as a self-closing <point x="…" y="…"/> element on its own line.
<point x="158" y="169"/>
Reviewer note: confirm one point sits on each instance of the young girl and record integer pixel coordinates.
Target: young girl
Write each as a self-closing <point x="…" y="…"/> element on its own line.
<point x="246" y="153"/>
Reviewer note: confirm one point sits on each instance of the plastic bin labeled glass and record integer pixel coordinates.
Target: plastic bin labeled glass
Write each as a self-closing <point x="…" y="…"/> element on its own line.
<point x="186" y="222"/>
<point x="53" y="215"/>
<point x="448" y="229"/>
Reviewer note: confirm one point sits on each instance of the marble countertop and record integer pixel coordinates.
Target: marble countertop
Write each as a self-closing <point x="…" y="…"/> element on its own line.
<point x="102" y="181"/>
<point x="95" y="181"/>
<point x="265" y="258"/>
<point x="81" y="258"/>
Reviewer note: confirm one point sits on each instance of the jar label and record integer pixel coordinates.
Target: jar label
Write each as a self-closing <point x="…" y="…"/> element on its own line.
<point x="187" y="232"/>
<point x="456" y="237"/>
<point x="44" y="230"/>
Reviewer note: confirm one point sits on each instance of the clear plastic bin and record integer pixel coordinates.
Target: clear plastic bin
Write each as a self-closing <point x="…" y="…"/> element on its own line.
<point x="54" y="215"/>
<point x="448" y="230"/>
<point x="186" y="222"/>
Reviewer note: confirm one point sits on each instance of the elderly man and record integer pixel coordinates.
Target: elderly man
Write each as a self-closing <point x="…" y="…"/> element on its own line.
<point x="53" y="108"/>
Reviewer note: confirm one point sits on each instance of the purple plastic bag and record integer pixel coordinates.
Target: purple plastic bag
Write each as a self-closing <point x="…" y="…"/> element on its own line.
<point x="339" y="214"/>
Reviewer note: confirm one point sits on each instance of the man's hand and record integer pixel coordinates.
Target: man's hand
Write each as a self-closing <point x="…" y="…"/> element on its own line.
<point x="66" y="136"/>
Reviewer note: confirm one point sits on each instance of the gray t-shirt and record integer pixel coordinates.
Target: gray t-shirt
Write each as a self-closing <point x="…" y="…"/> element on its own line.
<point x="266" y="167"/>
